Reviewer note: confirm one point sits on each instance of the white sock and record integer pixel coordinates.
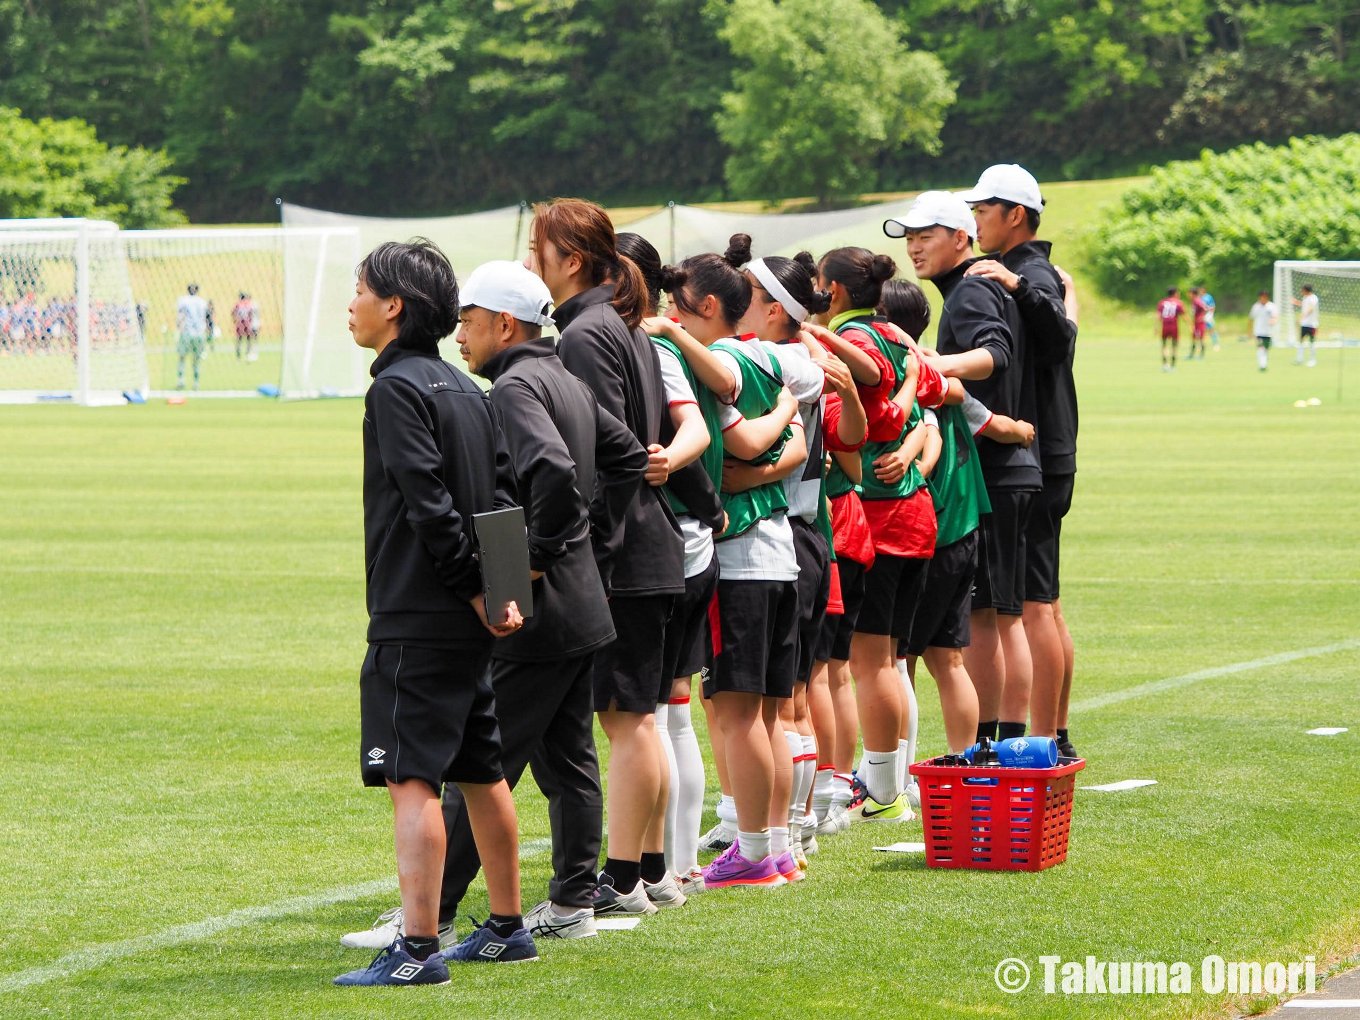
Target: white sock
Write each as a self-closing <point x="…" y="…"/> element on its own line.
<point x="795" y="831"/>
<point x="779" y="841"/>
<point x="1261" y="357"/>
<point x="880" y="775"/>
<point x="674" y="783"/>
<point x="688" y="793"/>
<point x="903" y="760"/>
<point x="840" y="790"/>
<point x="910" y="693"/>
<point x="754" y="846"/>
<point x="727" y="812"/>
<point x="821" y="791"/>
<point x="809" y="775"/>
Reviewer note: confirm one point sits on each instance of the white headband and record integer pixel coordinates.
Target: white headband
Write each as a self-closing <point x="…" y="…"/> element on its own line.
<point x="767" y="279"/>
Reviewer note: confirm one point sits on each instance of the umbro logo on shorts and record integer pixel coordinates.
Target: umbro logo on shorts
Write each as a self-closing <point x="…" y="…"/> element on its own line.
<point x="407" y="971"/>
<point x="492" y="950"/>
<point x="376" y="755"/>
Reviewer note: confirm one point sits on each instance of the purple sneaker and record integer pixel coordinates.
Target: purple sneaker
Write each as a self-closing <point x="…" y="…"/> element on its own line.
<point x="731" y="868"/>
<point x="788" y="867"/>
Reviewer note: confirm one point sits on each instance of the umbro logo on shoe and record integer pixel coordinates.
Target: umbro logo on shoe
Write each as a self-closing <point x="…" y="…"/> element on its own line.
<point x="376" y="755"/>
<point x="492" y="950"/>
<point x="407" y="971"/>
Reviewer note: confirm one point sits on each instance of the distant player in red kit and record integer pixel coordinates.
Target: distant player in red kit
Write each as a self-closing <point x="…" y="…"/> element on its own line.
<point x="1169" y="312"/>
<point x="1201" y="310"/>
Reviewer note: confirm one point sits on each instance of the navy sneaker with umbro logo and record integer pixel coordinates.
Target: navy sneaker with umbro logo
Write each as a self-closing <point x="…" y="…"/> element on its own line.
<point x="485" y="946"/>
<point x="395" y="966"/>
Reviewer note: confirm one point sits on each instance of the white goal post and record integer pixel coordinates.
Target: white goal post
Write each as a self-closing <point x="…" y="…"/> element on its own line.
<point x="92" y="314"/>
<point x="1337" y="286"/>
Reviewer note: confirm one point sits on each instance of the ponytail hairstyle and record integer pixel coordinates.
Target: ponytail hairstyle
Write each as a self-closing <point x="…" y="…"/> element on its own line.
<point x="719" y="275"/>
<point x="904" y="304"/>
<point x="859" y="271"/>
<point x="582" y="228"/>
<point x="798" y="277"/>
<point x="638" y="250"/>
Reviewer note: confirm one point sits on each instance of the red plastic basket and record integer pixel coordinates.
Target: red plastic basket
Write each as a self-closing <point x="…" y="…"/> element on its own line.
<point x="996" y="819"/>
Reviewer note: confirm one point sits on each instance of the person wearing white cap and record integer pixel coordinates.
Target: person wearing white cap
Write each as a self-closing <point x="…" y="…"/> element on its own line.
<point x="981" y="341"/>
<point x="578" y="468"/>
<point x="1007" y="205"/>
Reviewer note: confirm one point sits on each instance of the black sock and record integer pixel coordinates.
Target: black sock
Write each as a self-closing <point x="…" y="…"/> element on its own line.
<point x="505" y="925"/>
<point x="1062" y="735"/>
<point x="421" y="947"/>
<point x="622" y="875"/>
<point x="653" y="868"/>
<point x="1007" y="730"/>
<point x="988" y="730"/>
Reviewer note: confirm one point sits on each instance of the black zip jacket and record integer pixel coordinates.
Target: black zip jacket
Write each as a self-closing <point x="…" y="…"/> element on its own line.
<point x="621" y="368"/>
<point x="433" y="456"/>
<point x="1052" y="339"/>
<point x="979" y="314"/>
<point x="577" y="468"/>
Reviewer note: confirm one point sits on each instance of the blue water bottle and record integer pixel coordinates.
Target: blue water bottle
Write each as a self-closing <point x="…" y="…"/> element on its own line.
<point x="1022" y="752"/>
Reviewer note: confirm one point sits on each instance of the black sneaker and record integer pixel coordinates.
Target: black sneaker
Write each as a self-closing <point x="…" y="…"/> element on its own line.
<point x="1066" y="750"/>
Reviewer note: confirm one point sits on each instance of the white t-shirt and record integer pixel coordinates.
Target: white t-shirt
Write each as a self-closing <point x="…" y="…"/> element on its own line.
<point x="698" y="536"/>
<point x="764" y="551"/>
<point x="806" y="382"/>
<point x="1308" y="311"/>
<point x="1263" y="318"/>
<point x="191" y="312"/>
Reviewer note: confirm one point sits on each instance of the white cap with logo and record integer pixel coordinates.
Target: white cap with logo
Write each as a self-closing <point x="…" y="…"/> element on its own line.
<point x="508" y="287"/>
<point x="933" y="209"/>
<point x="1009" y="182"/>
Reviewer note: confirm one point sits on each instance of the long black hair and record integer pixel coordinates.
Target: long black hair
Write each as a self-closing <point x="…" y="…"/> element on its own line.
<point x="798" y="276"/>
<point x="648" y="260"/>
<point x="420" y="274"/>
<point x="719" y="275"/>
<point x="904" y="304"/>
<point x="859" y="271"/>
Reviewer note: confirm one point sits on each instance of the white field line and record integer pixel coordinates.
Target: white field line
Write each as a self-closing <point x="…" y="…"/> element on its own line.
<point x="1172" y="682"/>
<point x="96" y="956"/>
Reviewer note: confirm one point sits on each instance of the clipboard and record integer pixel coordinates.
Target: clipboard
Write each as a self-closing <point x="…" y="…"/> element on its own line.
<point x="503" y="552"/>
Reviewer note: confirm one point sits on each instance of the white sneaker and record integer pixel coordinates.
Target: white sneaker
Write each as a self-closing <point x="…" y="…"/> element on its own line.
<point x="253" y="356"/>
<point x="634" y="903"/>
<point x="544" y="922"/>
<point x="383" y="933"/>
<point x="837" y="820"/>
<point x="665" y="893"/>
<point x="720" y="837"/>
<point x="1312" y="363"/>
<point x="691" y="882"/>
<point x="914" y="795"/>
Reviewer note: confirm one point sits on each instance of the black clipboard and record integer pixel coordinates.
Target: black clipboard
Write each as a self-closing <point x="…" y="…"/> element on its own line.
<point x="503" y="552"/>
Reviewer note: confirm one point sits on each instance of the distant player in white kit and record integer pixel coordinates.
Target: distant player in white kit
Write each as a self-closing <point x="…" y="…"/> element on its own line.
<point x="1263" y="317"/>
<point x="1308" y="325"/>
<point x="191" y="317"/>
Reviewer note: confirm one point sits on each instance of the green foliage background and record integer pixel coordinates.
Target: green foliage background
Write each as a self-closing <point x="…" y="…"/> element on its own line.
<point x="1225" y="218"/>
<point x="418" y="106"/>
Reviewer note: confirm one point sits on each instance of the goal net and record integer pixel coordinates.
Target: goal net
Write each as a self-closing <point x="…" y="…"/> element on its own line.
<point x="1337" y="287"/>
<point x="68" y="322"/>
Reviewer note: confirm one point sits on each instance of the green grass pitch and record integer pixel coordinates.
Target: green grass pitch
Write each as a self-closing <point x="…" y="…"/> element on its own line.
<point x="182" y="596"/>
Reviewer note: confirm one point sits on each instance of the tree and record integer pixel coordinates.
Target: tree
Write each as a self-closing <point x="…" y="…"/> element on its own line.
<point x="824" y="88"/>
<point x="59" y="168"/>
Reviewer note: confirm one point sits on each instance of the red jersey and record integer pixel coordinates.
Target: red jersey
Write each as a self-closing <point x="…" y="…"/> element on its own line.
<point x="1170" y="310"/>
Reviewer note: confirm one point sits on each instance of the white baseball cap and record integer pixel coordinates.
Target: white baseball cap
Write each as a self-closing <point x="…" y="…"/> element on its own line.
<point x="932" y="209"/>
<point x="508" y="287"/>
<point x="1009" y="182"/>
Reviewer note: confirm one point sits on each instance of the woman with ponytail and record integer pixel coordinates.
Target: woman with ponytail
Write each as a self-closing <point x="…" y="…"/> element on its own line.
<point x="600" y="297"/>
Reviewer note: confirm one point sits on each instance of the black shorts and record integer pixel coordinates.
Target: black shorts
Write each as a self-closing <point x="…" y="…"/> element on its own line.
<point x="1263" y="341"/>
<point x="689" y="634"/>
<point x="814" y="589"/>
<point x="941" y="620"/>
<point x="892" y="590"/>
<point x="834" y="641"/>
<point x="757" y="646"/>
<point x="1000" y="582"/>
<point x="630" y="672"/>
<point x="429" y="714"/>
<point x="1307" y="332"/>
<point x="1042" y="538"/>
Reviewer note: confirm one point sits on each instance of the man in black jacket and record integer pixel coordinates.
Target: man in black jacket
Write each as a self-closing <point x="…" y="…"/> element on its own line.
<point x="981" y="341"/>
<point x="578" y="468"/>
<point x="433" y="456"/>
<point x="1007" y="206"/>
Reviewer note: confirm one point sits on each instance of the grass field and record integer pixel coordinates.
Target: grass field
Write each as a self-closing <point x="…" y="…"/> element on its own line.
<point x="183" y="596"/>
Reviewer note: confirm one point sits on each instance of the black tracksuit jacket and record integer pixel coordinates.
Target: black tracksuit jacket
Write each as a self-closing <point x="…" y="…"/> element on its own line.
<point x="577" y="470"/>
<point x="433" y="456"/>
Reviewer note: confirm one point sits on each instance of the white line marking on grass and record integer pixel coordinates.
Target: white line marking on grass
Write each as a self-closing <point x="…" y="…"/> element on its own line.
<point x="903" y="848"/>
<point x="1322" y="1004"/>
<point x="617" y="923"/>
<point x="1121" y="786"/>
<point x="1328" y="731"/>
<point x="96" y="956"/>
<point x="1172" y="682"/>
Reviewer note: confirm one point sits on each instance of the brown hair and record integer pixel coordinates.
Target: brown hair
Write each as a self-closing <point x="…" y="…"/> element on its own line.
<point x="578" y="227"/>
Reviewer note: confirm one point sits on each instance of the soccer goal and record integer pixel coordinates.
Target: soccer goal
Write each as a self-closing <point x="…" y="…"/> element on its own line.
<point x="96" y="315"/>
<point x="1337" y="286"/>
